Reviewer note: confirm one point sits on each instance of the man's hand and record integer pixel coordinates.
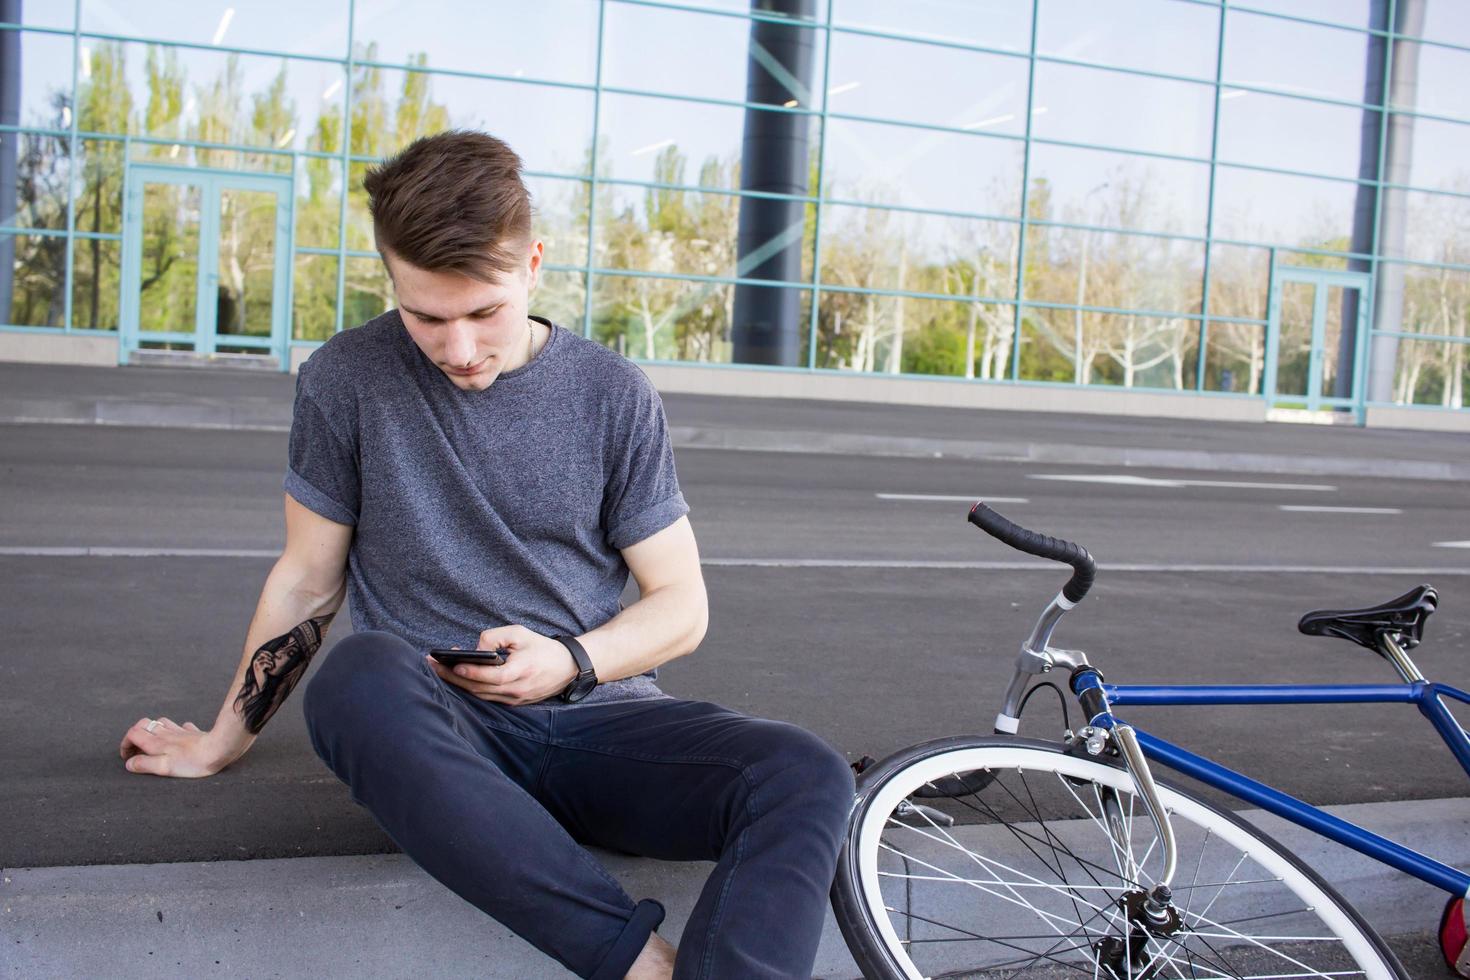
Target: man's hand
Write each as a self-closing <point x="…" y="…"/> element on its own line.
<point x="536" y="667"/>
<point x="170" y="749"/>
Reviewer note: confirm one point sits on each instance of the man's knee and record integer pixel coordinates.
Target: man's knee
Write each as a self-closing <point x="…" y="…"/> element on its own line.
<point x="811" y="774"/>
<point x="356" y="681"/>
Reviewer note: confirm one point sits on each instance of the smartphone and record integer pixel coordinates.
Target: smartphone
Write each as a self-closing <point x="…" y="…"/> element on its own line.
<point x="451" y="658"/>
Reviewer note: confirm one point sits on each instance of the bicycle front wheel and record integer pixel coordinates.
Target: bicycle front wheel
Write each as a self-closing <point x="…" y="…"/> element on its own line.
<point x="1010" y="857"/>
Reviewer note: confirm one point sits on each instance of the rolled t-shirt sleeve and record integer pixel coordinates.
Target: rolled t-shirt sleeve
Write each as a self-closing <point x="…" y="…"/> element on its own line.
<point x="322" y="470"/>
<point x="642" y="496"/>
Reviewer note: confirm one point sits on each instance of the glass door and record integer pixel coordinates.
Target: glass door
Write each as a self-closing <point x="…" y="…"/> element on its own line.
<point x="206" y="262"/>
<point x="1317" y="324"/>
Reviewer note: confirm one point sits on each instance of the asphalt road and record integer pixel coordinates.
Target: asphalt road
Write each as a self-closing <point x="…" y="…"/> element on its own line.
<point x="874" y="620"/>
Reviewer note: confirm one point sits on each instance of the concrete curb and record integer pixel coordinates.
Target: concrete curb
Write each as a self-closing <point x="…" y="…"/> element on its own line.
<point x="381" y="916"/>
<point x="757" y="440"/>
<point x="271" y="415"/>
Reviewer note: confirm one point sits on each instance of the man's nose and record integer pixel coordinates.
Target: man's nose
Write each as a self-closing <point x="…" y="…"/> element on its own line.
<point x="459" y="344"/>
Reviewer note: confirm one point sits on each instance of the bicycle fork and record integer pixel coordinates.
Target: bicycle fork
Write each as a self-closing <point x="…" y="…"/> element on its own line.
<point x="1156" y="906"/>
<point x="1152" y="909"/>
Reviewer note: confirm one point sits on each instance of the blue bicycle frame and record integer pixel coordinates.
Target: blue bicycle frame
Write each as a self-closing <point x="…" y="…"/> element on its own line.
<point x="1429" y="697"/>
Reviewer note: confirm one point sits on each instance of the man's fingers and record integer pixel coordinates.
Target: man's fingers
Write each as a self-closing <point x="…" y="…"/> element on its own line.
<point x="193" y="727"/>
<point x="157" y="765"/>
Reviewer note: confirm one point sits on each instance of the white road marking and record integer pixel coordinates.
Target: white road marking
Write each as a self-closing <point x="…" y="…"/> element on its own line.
<point x="971" y="498"/>
<point x="1307" y="509"/>
<point x="1452" y="544"/>
<point x="96" y="552"/>
<point x="1033" y="565"/>
<point x="1042" y="565"/>
<point x="1131" y="480"/>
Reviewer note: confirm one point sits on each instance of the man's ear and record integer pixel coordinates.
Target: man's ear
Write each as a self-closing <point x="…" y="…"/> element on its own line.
<point x="533" y="265"/>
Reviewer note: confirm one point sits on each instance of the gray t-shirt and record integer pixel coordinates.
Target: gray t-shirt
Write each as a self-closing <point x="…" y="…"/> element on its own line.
<point x="478" y="509"/>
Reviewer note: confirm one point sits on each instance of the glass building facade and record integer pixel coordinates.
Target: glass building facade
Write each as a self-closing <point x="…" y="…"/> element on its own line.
<point x="1266" y="199"/>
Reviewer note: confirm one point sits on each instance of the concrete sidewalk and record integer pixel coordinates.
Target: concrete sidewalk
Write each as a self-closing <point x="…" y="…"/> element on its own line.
<point x="381" y="916"/>
<point x="261" y="401"/>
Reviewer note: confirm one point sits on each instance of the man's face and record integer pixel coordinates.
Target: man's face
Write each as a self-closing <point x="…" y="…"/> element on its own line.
<point x="470" y="329"/>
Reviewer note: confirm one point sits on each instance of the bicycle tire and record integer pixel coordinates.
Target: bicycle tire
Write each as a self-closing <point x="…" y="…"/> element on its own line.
<point x="1213" y="941"/>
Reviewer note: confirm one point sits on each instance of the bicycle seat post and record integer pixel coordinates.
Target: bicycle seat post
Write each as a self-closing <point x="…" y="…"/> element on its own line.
<point x="1394" y="653"/>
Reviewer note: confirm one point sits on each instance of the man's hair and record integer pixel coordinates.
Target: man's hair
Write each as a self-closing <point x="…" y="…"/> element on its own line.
<point x="452" y="202"/>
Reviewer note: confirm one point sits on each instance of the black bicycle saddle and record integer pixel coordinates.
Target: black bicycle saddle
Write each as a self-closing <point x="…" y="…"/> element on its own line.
<point x="1404" y="615"/>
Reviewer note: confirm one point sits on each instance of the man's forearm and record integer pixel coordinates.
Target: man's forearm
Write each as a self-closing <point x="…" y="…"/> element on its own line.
<point x="663" y="624"/>
<point x="288" y="628"/>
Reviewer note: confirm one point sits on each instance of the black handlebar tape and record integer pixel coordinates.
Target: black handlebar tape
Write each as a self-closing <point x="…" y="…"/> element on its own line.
<point x="1032" y="543"/>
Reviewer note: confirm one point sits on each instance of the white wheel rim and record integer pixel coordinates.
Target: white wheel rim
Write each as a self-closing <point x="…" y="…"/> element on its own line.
<point x="1007" y="757"/>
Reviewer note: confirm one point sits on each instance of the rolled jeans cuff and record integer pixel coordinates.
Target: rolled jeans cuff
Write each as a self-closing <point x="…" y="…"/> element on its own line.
<point x="646" y="917"/>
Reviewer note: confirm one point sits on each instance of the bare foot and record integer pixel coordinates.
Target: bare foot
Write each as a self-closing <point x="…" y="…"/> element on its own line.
<point x="656" y="962"/>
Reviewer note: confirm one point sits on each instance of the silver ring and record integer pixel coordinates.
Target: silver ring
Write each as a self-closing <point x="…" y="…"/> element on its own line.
<point x="149" y="729"/>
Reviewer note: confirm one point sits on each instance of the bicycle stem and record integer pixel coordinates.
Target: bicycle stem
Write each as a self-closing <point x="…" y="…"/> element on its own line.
<point x="1036" y="657"/>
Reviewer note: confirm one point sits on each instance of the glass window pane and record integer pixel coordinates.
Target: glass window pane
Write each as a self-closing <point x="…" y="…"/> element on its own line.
<point x="922" y="253"/>
<point x="248" y="252"/>
<point x="1155" y="35"/>
<point x="889" y="79"/>
<point x="1126" y="272"/>
<point x="1350" y="13"/>
<point x="688" y="232"/>
<point x="318" y="201"/>
<point x="668" y="319"/>
<point x="554" y="40"/>
<point x="638" y="133"/>
<point x="1294" y="134"/>
<point x="1301" y="59"/>
<point x="104" y="89"/>
<point x="903" y="335"/>
<point x="168" y="291"/>
<point x="1235" y="357"/>
<point x="314" y="297"/>
<point x="1431" y="372"/>
<point x="1436" y="301"/>
<point x="1238" y="281"/>
<point x="560" y="296"/>
<point x="1447" y="22"/>
<point x="33" y="280"/>
<point x="45" y="79"/>
<point x="226" y="23"/>
<point x="1004" y="24"/>
<point x="1090" y="105"/>
<point x="1118" y="190"/>
<point x="559" y="209"/>
<point x="99" y="186"/>
<point x="1440" y="152"/>
<point x="1276" y="208"/>
<point x="61" y="15"/>
<point x="391" y="108"/>
<point x="42" y="166"/>
<point x="922" y="168"/>
<point x="367" y="292"/>
<point x="682" y="53"/>
<point x="1438" y="227"/>
<point x="185" y="94"/>
<point x="96" y="283"/>
<point x="1442" y="74"/>
<point x="1115" y="349"/>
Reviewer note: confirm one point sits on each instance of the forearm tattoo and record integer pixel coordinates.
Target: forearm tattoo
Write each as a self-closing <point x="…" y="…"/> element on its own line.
<point x="275" y="669"/>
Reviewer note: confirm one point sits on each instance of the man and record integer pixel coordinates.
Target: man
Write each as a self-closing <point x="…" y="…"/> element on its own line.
<point x="471" y="476"/>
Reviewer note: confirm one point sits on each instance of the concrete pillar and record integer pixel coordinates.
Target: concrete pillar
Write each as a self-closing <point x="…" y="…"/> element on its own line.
<point x="9" y="144"/>
<point x="1403" y="87"/>
<point x="767" y="326"/>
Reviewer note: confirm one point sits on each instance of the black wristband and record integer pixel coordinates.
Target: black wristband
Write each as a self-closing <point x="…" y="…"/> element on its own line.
<point x="586" y="678"/>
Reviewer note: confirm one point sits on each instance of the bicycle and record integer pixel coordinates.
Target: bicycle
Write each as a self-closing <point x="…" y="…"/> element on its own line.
<point x="1015" y="856"/>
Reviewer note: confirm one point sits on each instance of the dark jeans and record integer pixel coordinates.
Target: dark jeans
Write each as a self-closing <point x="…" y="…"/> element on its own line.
<point x="495" y="801"/>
